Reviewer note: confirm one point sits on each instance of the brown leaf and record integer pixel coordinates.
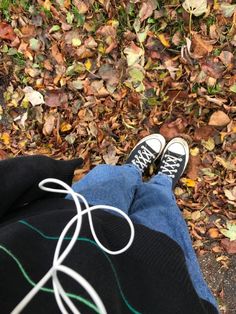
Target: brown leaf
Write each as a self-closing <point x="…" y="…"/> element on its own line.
<point x="212" y="68"/>
<point x="57" y="55"/>
<point x="6" y="31"/>
<point x="200" y="46"/>
<point x="203" y="133"/>
<point x="49" y="124"/>
<point x="109" y="74"/>
<point x="173" y="129"/>
<point x="28" y="31"/>
<point x="229" y="246"/>
<point x="56" y="98"/>
<point x="213" y="233"/>
<point x="194" y="167"/>
<point x="82" y="7"/>
<point x="227" y="58"/>
<point x="219" y="118"/>
<point x="147" y="9"/>
<point x="110" y="157"/>
<point x="3" y="155"/>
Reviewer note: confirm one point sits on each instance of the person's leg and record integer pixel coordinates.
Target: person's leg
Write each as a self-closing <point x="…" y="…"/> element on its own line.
<point x="155" y="207"/>
<point x="116" y="185"/>
<point x="109" y="185"/>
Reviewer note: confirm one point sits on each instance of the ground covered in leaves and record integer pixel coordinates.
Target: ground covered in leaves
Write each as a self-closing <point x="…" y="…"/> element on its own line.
<point x="90" y="78"/>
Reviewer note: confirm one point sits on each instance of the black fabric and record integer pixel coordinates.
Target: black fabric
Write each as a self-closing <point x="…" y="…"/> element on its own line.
<point x="151" y="277"/>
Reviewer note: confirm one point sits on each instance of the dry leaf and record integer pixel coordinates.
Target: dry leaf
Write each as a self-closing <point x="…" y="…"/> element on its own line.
<point x="200" y="46"/>
<point x="226" y="57"/>
<point x="213" y="233"/>
<point x="203" y="133"/>
<point x="49" y="124"/>
<point x="196" y="215"/>
<point x="57" y="55"/>
<point x="230" y="232"/>
<point x="110" y="157"/>
<point x="195" y="7"/>
<point x="189" y="182"/>
<point x="6" y="31"/>
<point x="33" y="96"/>
<point x="55" y="98"/>
<point x="65" y="127"/>
<point x="165" y="42"/>
<point x="147" y="9"/>
<point x="219" y="118"/>
<point x="173" y="129"/>
<point x="5" y="137"/>
<point x="194" y="166"/>
<point x="209" y="144"/>
<point x="134" y="53"/>
<point x="229" y="246"/>
<point x="230" y="194"/>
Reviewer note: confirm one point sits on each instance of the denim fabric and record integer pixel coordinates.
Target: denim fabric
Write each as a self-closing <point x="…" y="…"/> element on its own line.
<point x="151" y="204"/>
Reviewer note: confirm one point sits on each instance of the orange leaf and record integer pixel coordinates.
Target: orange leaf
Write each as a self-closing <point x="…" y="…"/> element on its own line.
<point x="6" y="31"/>
<point x="57" y="55"/>
<point x="201" y="47"/>
<point x="165" y="42"/>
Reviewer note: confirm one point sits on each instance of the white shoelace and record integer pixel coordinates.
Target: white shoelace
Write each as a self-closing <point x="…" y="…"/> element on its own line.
<point x="143" y="158"/>
<point x="170" y="165"/>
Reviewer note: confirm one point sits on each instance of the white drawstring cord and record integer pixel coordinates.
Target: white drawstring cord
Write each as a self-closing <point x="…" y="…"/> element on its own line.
<point x="59" y="292"/>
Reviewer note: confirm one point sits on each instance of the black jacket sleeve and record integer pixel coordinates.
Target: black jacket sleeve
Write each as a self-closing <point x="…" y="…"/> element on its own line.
<point x="20" y="178"/>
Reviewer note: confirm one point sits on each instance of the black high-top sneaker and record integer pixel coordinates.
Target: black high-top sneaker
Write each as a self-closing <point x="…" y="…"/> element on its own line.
<point x="174" y="159"/>
<point x="146" y="151"/>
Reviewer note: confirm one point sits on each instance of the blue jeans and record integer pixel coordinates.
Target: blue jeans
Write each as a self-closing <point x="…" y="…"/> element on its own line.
<point x="151" y="204"/>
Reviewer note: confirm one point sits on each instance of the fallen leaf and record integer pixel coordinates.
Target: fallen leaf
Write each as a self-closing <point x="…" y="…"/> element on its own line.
<point x="165" y="42"/>
<point x="193" y="166"/>
<point x="219" y="118"/>
<point x="5" y="137"/>
<point x="208" y="144"/>
<point x="228" y="9"/>
<point x="213" y="233"/>
<point x="134" y="53"/>
<point x="147" y="9"/>
<point x="189" y="182"/>
<point x="195" y="7"/>
<point x="226" y="57"/>
<point x="49" y="124"/>
<point x="200" y="46"/>
<point x="226" y="164"/>
<point x="233" y="88"/>
<point x="196" y="215"/>
<point x="229" y="246"/>
<point x="110" y="157"/>
<point x="56" y="98"/>
<point x="82" y="7"/>
<point x="230" y="194"/>
<point x="33" y="96"/>
<point x="3" y="155"/>
<point x="203" y="133"/>
<point x="173" y="129"/>
<point x="65" y="127"/>
<point x="109" y="74"/>
<point x="212" y="68"/>
<point x="57" y="55"/>
<point x="6" y="31"/>
<point x="230" y="232"/>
